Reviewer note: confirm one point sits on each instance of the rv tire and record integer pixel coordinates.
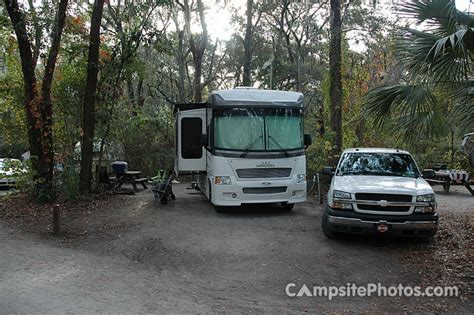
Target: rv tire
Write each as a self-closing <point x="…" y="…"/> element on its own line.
<point x="219" y="209"/>
<point x="287" y="206"/>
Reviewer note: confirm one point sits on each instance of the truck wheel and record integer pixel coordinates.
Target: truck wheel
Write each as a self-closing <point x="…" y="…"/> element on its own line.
<point x="424" y="239"/>
<point x="325" y="227"/>
<point x="287" y="206"/>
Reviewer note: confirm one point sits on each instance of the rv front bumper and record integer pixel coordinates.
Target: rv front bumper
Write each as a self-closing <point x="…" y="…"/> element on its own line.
<point x="258" y="192"/>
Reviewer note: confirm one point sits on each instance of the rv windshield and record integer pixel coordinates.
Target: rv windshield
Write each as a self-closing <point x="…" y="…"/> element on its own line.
<point x="258" y="129"/>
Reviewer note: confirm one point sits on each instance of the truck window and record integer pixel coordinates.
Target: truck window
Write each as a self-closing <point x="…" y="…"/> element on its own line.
<point x="386" y="164"/>
<point x="191" y="129"/>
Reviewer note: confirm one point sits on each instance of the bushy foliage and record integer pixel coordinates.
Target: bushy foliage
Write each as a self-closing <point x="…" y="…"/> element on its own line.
<point x="13" y="138"/>
<point x="147" y="139"/>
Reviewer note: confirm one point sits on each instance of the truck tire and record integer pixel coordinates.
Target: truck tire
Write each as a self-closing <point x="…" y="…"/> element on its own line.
<point x="325" y="227"/>
<point x="287" y="206"/>
<point x="424" y="239"/>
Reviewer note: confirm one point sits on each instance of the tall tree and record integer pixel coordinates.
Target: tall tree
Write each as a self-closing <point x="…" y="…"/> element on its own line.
<point x="88" y="113"/>
<point x="335" y="85"/>
<point x="196" y="45"/>
<point x="246" y="80"/>
<point x="180" y="59"/>
<point x="37" y="99"/>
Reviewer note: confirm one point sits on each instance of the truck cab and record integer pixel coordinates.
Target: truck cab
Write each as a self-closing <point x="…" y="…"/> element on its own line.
<point x="381" y="192"/>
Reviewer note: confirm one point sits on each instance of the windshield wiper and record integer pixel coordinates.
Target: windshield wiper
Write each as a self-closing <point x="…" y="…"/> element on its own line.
<point x="279" y="144"/>
<point x="250" y="147"/>
<point x="374" y="173"/>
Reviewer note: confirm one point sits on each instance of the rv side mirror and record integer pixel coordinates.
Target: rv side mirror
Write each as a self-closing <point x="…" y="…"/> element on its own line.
<point x="203" y="140"/>
<point x="328" y="170"/>
<point x="307" y="140"/>
<point x="429" y="173"/>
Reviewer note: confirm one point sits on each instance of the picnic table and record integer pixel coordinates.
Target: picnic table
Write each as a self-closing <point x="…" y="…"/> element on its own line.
<point x="447" y="178"/>
<point x="131" y="177"/>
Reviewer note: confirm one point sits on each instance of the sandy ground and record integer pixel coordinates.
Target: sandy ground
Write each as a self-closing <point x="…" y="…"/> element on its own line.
<point x="135" y="256"/>
<point x="458" y="200"/>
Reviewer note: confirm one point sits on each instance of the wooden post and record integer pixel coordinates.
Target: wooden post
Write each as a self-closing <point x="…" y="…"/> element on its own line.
<point x="56" y="220"/>
<point x="452" y="149"/>
<point x="319" y="189"/>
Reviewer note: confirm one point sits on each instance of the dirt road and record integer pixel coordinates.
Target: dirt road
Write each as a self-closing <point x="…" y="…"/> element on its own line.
<point x="137" y="257"/>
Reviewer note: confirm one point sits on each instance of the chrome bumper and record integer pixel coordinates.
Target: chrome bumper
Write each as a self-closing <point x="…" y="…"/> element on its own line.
<point x="415" y="225"/>
<point x="7" y="182"/>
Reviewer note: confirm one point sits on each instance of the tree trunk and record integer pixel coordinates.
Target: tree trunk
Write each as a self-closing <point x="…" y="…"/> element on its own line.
<point x="181" y="71"/>
<point x="180" y="61"/>
<point x="47" y="107"/>
<point x="321" y="120"/>
<point x="197" y="49"/>
<point x="38" y="106"/>
<point x="88" y="115"/>
<point x="335" y="85"/>
<point x="131" y="96"/>
<point x="298" y="67"/>
<point x="33" y="114"/>
<point x="246" y="80"/>
<point x="197" y="78"/>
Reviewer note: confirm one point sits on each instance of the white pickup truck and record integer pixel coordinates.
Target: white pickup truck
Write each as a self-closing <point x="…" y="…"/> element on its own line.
<point x="379" y="191"/>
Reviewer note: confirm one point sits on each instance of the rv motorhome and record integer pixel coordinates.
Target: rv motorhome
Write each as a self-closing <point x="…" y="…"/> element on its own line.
<point x="245" y="146"/>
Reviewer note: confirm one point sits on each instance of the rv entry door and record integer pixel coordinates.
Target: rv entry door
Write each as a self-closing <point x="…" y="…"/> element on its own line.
<point x="190" y="155"/>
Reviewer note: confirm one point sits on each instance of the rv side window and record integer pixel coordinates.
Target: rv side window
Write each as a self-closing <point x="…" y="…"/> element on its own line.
<point x="191" y="129"/>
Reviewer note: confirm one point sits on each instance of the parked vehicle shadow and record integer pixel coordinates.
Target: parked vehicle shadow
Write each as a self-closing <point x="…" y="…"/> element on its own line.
<point x="355" y="240"/>
<point x="5" y="190"/>
<point x="258" y="210"/>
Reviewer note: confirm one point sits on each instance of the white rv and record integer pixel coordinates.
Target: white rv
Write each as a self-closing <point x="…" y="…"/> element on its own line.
<point x="246" y="146"/>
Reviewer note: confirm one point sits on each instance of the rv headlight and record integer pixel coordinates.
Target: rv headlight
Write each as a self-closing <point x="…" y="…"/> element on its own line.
<point x="337" y="194"/>
<point x="426" y="198"/>
<point x="222" y="180"/>
<point x="300" y="178"/>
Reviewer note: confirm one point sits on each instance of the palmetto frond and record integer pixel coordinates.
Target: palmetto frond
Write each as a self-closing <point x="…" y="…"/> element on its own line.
<point x="439" y="66"/>
<point x="440" y="15"/>
<point x="439" y="59"/>
<point x="464" y="111"/>
<point x="406" y="107"/>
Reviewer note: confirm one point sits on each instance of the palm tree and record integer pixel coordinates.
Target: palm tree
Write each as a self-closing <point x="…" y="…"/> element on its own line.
<point x="438" y="93"/>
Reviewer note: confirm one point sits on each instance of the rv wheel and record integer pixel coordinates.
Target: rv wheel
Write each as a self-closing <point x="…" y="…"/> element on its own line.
<point x="219" y="209"/>
<point x="287" y="206"/>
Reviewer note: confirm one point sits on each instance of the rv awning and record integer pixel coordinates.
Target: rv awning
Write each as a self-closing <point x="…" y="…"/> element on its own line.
<point x="255" y="97"/>
<point x="189" y="106"/>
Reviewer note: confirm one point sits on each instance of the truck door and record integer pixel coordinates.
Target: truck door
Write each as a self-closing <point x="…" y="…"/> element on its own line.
<point x="190" y="155"/>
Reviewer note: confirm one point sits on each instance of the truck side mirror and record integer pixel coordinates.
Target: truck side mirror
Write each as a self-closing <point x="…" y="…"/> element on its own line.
<point x="307" y="140"/>
<point x="429" y="173"/>
<point x="328" y="170"/>
<point x="203" y="140"/>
